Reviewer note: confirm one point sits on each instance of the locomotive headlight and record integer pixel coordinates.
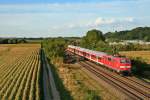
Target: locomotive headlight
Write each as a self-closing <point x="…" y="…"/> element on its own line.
<point x="125" y="66"/>
<point x="122" y="66"/>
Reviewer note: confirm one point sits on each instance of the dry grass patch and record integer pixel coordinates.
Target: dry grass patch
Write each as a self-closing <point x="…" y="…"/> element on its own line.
<point x="79" y="84"/>
<point x="143" y="54"/>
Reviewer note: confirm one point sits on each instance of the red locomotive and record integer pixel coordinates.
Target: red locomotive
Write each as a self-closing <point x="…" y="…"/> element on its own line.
<point x="119" y="64"/>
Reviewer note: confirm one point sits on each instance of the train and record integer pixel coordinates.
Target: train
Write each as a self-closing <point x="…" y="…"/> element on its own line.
<point x="121" y="65"/>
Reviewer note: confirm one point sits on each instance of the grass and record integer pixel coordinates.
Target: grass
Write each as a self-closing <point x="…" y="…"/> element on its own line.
<point x="75" y="84"/>
<point x="64" y="93"/>
<point x="145" y="55"/>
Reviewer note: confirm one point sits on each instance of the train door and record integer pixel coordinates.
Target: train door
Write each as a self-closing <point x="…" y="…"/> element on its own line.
<point x="84" y="54"/>
<point x="112" y="63"/>
<point x="104" y="60"/>
<point x="99" y="59"/>
<point x="76" y="51"/>
<point x="108" y="61"/>
<point x="87" y="55"/>
<point x="80" y="53"/>
<point x="93" y="57"/>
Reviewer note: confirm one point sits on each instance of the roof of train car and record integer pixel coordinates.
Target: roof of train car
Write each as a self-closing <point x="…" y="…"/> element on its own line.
<point x="97" y="53"/>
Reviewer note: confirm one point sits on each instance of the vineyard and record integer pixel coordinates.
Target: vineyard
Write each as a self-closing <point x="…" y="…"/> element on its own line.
<point x="20" y="72"/>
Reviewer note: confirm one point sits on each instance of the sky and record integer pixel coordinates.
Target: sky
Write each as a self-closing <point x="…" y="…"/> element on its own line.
<point x="52" y="18"/>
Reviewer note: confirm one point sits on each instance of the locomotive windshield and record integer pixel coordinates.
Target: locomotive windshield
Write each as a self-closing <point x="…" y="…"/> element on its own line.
<point x="124" y="61"/>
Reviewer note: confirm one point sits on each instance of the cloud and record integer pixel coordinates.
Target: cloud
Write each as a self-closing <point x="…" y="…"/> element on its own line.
<point x="129" y="19"/>
<point x="108" y="21"/>
<point x="97" y="23"/>
<point x="71" y="17"/>
<point x="100" y="21"/>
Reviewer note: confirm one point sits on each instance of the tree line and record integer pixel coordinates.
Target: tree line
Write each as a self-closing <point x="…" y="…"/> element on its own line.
<point x="139" y="33"/>
<point x="12" y="40"/>
<point x="94" y="40"/>
<point x="20" y="40"/>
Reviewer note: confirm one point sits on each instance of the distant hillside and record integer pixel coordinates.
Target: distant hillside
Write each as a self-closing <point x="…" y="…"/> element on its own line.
<point x="140" y="33"/>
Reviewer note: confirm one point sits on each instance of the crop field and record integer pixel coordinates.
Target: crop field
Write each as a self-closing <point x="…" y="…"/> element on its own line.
<point x="145" y="55"/>
<point x="20" y="72"/>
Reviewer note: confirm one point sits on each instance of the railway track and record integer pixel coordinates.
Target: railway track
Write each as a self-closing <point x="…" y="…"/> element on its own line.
<point x="128" y="89"/>
<point x="141" y="82"/>
<point x="143" y="86"/>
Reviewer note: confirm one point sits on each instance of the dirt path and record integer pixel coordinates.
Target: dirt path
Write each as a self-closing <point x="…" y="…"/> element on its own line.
<point x="50" y="91"/>
<point x="46" y="84"/>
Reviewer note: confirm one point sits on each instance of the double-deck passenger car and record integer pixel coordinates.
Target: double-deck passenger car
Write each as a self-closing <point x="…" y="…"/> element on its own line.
<point x="116" y="63"/>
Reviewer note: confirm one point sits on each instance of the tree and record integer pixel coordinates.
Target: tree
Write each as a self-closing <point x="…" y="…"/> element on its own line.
<point x="54" y="47"/>
<point x="92" y="38"/>
<point x="146" y="38"/>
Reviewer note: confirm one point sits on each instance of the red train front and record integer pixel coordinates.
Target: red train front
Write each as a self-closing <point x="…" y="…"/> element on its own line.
<point x="119" y="64"/>
<point x="116" y="63"/>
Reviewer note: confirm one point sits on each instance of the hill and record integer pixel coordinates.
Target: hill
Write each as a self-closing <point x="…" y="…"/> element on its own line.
<point x="139" y="33"/>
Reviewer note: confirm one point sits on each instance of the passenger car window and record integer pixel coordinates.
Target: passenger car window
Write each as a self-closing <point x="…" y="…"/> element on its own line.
<point x="109" y="59"/>
<point x="99" y="58"/>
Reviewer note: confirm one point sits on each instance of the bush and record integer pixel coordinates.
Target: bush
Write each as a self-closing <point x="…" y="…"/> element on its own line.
<point x="92" y="95"/>
<point x="139" y="66"/>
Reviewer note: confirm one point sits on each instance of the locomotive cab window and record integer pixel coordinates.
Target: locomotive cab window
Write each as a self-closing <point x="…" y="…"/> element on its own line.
<point x="124" y="61"/>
